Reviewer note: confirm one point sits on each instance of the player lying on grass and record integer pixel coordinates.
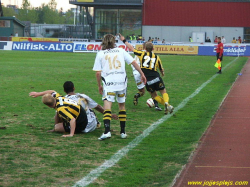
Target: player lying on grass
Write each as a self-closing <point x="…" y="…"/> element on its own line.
<point x="150" y="63"/>
<point x="71" y="117"/>
<point x="88" y="104"/>
<point x="140" y="85"/>
<point x="112" y="81"/>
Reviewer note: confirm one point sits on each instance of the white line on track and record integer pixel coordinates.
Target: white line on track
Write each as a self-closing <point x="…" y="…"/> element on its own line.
<point x="94" y="174"/>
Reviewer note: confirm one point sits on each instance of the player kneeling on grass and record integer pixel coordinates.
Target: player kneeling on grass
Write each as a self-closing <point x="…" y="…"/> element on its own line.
<point x="140" y="85"/>
<point x="110" y="70"/>
<point x="149" y="63"/>
<point x="71" y="117"/>
<point x="87" y="104"/>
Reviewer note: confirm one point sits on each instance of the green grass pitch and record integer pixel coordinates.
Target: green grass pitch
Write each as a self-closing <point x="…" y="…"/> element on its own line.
<point x="29" y="156"/>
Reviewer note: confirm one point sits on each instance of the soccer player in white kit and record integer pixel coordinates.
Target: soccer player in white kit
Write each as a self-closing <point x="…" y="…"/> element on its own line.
<point x="110" y="70"/>
<point x="87" y="104"/>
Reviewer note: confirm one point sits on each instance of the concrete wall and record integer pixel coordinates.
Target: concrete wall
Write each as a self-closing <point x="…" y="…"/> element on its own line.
<point x="182" y="33"/>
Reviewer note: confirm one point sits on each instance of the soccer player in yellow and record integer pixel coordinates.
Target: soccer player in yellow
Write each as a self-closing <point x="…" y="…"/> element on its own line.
<point x="70" y="117"/>
<point x="150" y="63"/>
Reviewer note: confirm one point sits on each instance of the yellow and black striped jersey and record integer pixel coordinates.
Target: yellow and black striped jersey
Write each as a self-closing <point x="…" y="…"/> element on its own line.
<point x="149" y="62"/>
<point x="66" y="108"/>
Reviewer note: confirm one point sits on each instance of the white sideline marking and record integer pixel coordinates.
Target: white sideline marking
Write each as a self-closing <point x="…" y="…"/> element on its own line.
<point x="94" y="174"/>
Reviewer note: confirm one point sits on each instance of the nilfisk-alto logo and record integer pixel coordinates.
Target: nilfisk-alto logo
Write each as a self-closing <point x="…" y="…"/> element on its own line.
<point x="42" y="46"/>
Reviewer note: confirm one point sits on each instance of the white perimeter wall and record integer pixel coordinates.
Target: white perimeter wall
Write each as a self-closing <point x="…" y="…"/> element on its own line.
<point x="182" y="33"/>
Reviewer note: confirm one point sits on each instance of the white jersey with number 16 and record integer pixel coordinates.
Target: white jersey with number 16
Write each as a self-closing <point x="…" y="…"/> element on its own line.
<point x="111" y="63"/>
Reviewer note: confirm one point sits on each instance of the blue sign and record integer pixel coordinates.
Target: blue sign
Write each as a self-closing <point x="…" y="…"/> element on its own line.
<point x="42" y="46"/>
<point x="227" y="51"/>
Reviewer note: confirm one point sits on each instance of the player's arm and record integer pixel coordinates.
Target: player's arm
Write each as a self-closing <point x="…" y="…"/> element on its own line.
<point x="72" y="128"/>
<point x="161" y="67"/>
<point x="99" y="81"/>
<point x="122" y="38"/>
<point x="37" y="94"/>
<point x="137" y="67"/>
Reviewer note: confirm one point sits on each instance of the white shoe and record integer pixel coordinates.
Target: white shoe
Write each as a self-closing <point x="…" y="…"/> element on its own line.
<point x="170" y="109"/>
<point x="105" y="136"/>
<point x="123" y="135"/>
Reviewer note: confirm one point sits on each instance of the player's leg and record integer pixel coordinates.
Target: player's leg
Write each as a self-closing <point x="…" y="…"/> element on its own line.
<point x="140" y="86"/>
<point x="57" y="121"/>
<point x="140" y="93"/>
<point x="168" y="108"/>
<point x="108" y="98"/>
<point x="59" y="127"/>
<point x="107" y="115"/>
<point x="157" y="108"/>
<point x="159" y="86"/>
<point x="121" y="97"/>
<point x="153" y="96"/>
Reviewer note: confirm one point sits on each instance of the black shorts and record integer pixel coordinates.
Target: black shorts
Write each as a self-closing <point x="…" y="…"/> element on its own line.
<point x="154" y="84"/>
<point x="218" y="55"/>
<point x="81" y="122"/>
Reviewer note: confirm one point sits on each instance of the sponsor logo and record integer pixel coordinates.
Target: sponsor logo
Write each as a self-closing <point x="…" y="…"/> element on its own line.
<point x="153" y="81"/>
<point x="233" y="50"/>
<point x="93" y="47"/>
<point x="36" y="46"/>
<point x="114" y="83"/>
<point x="227" y="51"/>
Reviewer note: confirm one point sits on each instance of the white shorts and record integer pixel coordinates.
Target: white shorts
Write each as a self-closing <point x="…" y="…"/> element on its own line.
<point x="110" y="96"/>
<point x="137" y="78"/>
<point x="92" y="123"/>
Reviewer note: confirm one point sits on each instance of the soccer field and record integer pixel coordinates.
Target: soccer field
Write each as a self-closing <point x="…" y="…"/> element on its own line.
<point x="30" y="156"/>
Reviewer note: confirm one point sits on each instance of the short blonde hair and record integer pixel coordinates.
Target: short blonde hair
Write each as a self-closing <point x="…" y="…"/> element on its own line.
<point x="49" y="100"/>
<point x="108" y="42"/>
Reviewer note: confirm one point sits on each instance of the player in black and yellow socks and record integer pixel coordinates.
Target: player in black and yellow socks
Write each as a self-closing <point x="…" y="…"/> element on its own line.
<point x="123" y="118"/>
<point x="112" y="81"/>
<point x="150" y="63"/>
<point x="140" y="85"/>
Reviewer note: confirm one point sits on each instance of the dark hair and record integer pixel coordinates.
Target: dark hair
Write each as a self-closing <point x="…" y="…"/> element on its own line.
<point x="68" y="86"/>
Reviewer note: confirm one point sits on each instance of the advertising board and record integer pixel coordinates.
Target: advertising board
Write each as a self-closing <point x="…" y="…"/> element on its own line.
<point x="42" y="46"/>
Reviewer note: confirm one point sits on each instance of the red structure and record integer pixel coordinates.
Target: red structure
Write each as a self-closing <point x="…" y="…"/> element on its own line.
<point x="196" y="13"/>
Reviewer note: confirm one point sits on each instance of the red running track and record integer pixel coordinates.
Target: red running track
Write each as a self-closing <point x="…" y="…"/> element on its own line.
<point x="223" y="156"/>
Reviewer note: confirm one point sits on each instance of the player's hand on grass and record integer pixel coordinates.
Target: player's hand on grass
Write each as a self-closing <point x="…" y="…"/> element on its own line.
<point x="53" y="130"/>
<point x="67" y="135"/>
